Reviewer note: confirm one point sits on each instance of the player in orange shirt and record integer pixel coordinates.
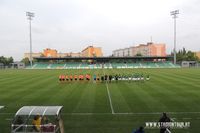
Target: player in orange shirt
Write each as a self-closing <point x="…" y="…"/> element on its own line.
<point x="75" y="77"/>
<point x="63" y="77"/>
<point x="71" y="77"/>
<point x="79" y="76"/>
<point x="60" y="77"/>
<point x="82" y="77"/>
<point x="87" y="77"/>
<point x="67" y="78"/>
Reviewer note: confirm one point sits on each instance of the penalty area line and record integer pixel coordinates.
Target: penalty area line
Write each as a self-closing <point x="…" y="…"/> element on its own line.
<point x="155" y="113"/>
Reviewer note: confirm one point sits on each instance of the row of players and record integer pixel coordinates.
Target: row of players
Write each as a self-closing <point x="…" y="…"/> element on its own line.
<point x="63" y="77"/>
<point x="102" y="78"/>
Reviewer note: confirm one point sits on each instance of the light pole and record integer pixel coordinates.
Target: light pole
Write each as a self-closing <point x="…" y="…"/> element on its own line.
<point x="30" y="15"/>
<point x="175" y="15"/>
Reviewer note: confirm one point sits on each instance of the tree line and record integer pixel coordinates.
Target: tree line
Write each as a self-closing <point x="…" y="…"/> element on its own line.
<point x="6" y="60"/>
<point x="184" y="55"/>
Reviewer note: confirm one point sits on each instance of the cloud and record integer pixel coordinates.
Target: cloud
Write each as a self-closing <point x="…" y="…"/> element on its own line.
<point x="71" y="25"/>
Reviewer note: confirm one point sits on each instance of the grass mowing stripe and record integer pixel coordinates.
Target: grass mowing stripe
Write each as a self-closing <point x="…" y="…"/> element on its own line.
<point x="67" y="97"/>
<point x="173" y="80"/>
<point x="36" y="94"/>
<point x="118" y="99"/>
<point x="168" y="96"/>
<point x="87" y="99"/>
<point x="159" y="90"/>
<point x="181" y="98"/>
<point x="181" y="78"/>
<point x="101" y="99"/>
<point x="130" y="91"/>
<point x="15" y="92"/>
<point x="143" y="93"/>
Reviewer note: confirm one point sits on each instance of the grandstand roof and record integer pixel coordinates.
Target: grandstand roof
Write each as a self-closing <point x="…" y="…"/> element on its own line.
<point x="104" y="58"/>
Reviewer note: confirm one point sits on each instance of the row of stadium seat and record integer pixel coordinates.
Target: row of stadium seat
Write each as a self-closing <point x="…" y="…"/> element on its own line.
<point x="106" y="65"/>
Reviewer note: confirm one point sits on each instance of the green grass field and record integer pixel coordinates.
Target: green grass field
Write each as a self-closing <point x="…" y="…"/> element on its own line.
<point x="87" y="107"/>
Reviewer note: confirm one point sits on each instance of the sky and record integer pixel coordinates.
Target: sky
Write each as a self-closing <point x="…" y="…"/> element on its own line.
<point x="72" y="25"/>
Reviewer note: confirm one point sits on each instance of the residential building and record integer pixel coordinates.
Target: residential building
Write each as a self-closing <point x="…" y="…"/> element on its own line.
<point x="149" y="49"/>
<point x="92" y="51"/>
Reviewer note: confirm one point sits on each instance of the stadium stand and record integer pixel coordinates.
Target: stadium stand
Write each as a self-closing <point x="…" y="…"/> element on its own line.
<point x="40" y="66"/>
<point x="118" y="65"/>
<point x="84" y="65"/>
<point x="56" y="66"/>
<point x="73" y="65"/>
<point x="79" y="65"/>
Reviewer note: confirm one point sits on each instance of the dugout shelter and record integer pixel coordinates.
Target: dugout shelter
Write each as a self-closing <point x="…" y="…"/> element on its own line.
<point x="50" y="120"/>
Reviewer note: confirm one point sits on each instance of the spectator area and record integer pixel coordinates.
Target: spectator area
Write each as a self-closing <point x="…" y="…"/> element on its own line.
<point x="77" y="65"/>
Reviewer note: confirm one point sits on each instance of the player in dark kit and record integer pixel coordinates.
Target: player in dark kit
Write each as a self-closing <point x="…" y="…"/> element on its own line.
<point x="164" y="119"/>
<point x="110" y="78"/>
<point x="106" y="77"/>
<point x="102" y="78"/>
<point x="116" y="77"/>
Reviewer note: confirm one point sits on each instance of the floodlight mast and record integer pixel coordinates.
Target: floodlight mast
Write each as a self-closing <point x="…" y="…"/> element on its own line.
<point x="175" y="15"/>
<point x="30" y="15"/>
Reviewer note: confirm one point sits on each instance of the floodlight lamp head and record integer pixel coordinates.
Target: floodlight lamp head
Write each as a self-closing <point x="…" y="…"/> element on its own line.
<point x="30" y="14"/>
<point x="177" y="11"/>
<point x="174" y="12"/>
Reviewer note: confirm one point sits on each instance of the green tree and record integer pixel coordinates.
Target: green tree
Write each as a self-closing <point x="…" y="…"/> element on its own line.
<point x="5" y="60"/>
<point x="25" y="61"/>
<point x="191" y="56"/>
<point x="184" y="55"/>
<point x="2" y="59"/>
<point x="10" y="60"/>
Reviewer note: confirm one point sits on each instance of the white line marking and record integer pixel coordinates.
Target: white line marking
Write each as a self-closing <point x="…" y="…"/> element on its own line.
<point x="168" y="130"/>
<point x="187" y="118"/>
<point x="128" y="113"/>
<point x="111" y="106"/>
<point x="154" y="113"/>
<point x="87" y="114"/>
<point x="108" y="92"/>
<point x="173" y="119"/>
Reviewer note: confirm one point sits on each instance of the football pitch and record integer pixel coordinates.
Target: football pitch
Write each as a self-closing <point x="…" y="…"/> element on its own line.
<point x="105" y="107"/>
